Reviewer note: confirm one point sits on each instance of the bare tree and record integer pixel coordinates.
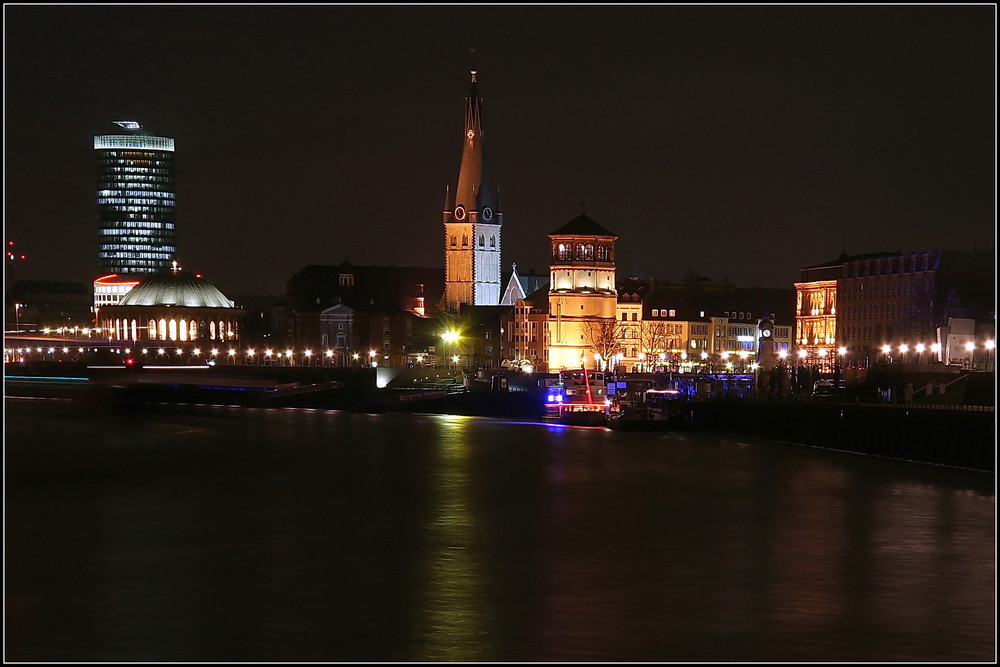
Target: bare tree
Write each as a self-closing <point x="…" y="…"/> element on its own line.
<point x="652" y="339"/>
<point x="604" y="337"/>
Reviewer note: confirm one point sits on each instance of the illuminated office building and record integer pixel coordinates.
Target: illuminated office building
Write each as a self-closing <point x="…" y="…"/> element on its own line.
<point x="135" y="201"/>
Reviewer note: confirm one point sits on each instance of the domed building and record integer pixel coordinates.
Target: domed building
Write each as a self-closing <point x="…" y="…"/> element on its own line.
<point x="172" y="306"/>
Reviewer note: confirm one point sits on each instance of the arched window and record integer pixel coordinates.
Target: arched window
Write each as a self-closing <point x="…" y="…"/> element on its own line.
<point x="183" y="329"/>
<point x="135" y="330"/>
<point x="151" y="330"/>
<point x="579" y="251"/>
<point x="493" y="242"/>
<point x="603" y="253"/>
<point x="211" y="330"/>
<point x="465" y="240"/>
<point x="172" y="328"/>
<point x="163" y="330"/>
<point x="482" y="241"/>
<point x="454" y="241"/>
<point x="193" y="330"/>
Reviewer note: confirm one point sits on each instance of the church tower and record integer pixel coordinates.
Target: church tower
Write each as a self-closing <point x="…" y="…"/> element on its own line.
<point x="472" y="222"/>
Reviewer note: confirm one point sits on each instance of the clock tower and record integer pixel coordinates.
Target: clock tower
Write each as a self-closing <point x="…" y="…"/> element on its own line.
<point x="472" y="222"/>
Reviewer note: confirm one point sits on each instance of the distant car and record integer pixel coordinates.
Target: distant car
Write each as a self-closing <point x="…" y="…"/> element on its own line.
<point x="132" y="364"/>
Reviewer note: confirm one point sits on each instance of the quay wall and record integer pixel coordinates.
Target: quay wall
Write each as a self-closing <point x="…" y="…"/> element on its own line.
<point x="962" y="437"/>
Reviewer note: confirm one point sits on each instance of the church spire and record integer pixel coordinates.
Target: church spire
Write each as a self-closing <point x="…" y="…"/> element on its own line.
<point x="470" y="175"/>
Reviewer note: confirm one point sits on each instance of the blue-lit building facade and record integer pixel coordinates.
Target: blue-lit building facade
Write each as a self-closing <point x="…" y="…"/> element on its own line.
<point x="136" y="201"/>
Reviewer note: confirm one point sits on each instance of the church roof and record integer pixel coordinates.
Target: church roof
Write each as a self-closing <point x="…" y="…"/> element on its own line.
<point x="176" y="287"/>
<point x="582" y="226"/>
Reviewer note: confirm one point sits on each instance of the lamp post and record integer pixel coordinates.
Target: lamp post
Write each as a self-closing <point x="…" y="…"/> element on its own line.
<point x="989" y="355"/>
<point x="920" y="353"/>
<point x="936" y="351"/>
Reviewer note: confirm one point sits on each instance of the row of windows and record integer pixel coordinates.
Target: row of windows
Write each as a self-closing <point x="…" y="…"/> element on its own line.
<point x="116" y="167"/>
<point x="892" y="309"/>
<point x="137" y="165"/>
<point x="164" y="210"/>
<point x="163" y="194"/>
<point x="883" y="265"/>
<point x="136" y="201"/>
<point x="174" y="330"/>
<point x="141" y="224"/>
<point x="140" y="182"/>
<point x="584" y="251"/>
<point x="886" y="287"/>
<point x="131" y="237"/>
<point x="482" y="241"/>
<point x="124" y="255"/>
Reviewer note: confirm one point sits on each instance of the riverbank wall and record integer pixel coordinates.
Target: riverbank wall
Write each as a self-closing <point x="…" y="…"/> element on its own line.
<point x="957" y="436"/>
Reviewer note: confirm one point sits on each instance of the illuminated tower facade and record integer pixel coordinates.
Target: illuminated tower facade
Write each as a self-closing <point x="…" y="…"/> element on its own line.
<point x="135" y="200"/>
<point x="582" y="295"/>
<point x="472" y="222"/>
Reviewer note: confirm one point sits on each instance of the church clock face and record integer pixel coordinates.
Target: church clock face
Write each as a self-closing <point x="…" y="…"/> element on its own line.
<point x="460" y="213"/>
<point x="766" y="332"/>
<point x="487" y="213"/>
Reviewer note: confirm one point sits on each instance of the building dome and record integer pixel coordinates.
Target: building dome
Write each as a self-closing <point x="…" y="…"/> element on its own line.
<point x="176" y="287"/>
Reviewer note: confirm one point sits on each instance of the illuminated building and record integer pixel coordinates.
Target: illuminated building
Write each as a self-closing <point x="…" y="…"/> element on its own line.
<point x="110" y="290"/>
<point x="472" y="223"/>
<point x="135" y="200"/>
<point x="816" y="315"/>
<point x="173" y="306"/>
<point x="699" y="325"/>
<point x="896" y="299"/>
<point x="582" y="296"/>
<point x="890" y="306"/>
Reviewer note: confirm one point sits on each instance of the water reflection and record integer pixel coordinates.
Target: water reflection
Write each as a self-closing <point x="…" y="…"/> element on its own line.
<point x="231" y="534"/>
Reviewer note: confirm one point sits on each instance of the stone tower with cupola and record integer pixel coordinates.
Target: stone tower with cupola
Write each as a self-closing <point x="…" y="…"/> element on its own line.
<point x="582" y="291"/>
<point x="472" y="222"/>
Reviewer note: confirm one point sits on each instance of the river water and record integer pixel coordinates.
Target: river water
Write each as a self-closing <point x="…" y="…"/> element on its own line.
<point x="209" y="533"/>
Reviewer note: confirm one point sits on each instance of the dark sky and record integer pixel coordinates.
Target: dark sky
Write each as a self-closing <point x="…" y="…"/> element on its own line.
<point x="740" y="142"/>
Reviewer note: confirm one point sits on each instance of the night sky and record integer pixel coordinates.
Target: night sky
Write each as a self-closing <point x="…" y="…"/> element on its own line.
<point x="739" y="142"/>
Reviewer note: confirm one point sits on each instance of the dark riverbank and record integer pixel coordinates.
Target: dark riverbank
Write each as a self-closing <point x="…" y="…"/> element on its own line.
<point x="958" y="436"/>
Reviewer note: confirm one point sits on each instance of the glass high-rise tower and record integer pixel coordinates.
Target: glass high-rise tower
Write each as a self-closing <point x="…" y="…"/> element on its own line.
<point x="135" y="200"/>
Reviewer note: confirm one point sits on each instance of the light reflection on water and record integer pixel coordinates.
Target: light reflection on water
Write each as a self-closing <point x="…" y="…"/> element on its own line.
<point x="230" y="534"/>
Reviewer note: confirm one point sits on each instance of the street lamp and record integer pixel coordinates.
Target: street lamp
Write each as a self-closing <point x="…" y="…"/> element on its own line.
<point x="936" y="350"/>
<point x="920" y="352"/>
<point x="886" y="349"/>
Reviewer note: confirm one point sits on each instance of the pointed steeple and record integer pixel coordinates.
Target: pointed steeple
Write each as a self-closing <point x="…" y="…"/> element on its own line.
<point x="470" y="175"/>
